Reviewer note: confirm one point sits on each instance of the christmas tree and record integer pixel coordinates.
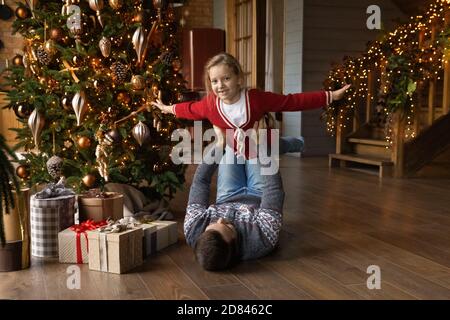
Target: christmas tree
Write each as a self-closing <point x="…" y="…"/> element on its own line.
<point x="82" y="90"/>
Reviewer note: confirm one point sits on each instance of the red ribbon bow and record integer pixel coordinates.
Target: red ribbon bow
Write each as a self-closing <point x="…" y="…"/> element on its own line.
<point x="82" y="228"/>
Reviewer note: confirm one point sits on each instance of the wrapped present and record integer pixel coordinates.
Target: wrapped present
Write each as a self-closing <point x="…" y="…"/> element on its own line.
<point x="172" y="230"/>
<point x="158" y="234"/>
<point x="116" y="248"/>
<point x="73" y="243"/>
<point x="149" y="241"/>
<point x="11" y="256"/>
<point x="100" y="206"/>
<point x="17" y="234"/>
<point x="52" y="210"/>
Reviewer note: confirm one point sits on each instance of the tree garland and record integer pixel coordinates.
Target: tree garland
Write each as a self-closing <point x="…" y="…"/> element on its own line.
<point x="406" y="62"/>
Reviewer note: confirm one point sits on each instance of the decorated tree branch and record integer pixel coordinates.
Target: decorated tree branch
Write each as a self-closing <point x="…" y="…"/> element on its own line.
<point x="82" y="88"/>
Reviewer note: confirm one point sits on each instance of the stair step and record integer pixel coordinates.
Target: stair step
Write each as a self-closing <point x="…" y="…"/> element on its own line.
<point x="372" y="142"/>
<point x="383" y="165"/>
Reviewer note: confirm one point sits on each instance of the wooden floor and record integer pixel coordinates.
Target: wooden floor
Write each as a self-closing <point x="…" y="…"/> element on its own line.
<point x="336" y="223"/>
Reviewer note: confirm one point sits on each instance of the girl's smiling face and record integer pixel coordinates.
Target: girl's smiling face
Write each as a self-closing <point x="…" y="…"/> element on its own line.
<point x="225" y="83"/>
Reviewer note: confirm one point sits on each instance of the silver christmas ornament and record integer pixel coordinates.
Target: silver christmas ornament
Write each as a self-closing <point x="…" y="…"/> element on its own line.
<point x="36" y="123"/>
<point x="141" y="133"/>
<point x="105" y="46"/>
<point x="79" y="105"/>
<point x="97" y="5"/>
<point x="138" y="42"/>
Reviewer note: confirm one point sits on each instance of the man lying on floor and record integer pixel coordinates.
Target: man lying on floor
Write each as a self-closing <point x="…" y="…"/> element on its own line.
<point x="245" y="225"/>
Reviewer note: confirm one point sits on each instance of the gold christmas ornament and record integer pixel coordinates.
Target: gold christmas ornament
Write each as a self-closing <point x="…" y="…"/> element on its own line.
<point x="116" y="4"/>
<point x="89" y="180"/>
<point x="138" y="43"/>
<point x="105" y="46"/>
<point x="97" y="6"/>
<point x="141" y="132"/>
<point x="17" y="60"/>
<point x="23" y="13"/>
<point x="50" y="46"/>
<point x="22" y="110"/>
<point x="79" y="105"/>
<point x="36" y="123"/>
<point x="56" y="34"/>
<point x="138" y="82"/>
<point x="66" y="102"/>
<point x="123" y="97"/>
<point x="84" y="142"/>
<point x="23" y="171"/>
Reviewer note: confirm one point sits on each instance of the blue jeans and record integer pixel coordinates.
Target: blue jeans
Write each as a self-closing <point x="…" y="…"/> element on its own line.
<point x="245" y="178"/>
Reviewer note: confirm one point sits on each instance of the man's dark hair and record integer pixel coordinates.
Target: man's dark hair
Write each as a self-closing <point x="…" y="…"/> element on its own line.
<point x="213" y="253"/>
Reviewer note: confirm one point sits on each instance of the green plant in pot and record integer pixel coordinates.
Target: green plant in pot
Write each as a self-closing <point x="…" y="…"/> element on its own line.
<point x="8" y="183"/>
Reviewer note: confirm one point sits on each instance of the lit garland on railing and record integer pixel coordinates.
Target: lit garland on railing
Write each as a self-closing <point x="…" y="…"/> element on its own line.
<point x="405" y="60"/>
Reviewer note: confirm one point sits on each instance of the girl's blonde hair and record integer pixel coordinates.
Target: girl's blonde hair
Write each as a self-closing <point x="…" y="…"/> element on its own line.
<point x="226" y="59"/>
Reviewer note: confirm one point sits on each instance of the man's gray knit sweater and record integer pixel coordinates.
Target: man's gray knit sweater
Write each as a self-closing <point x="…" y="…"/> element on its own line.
<point x="257" y="220"/>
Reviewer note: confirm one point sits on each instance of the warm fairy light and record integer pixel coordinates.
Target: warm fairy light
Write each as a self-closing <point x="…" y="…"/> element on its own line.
<point x="410" y="40"/>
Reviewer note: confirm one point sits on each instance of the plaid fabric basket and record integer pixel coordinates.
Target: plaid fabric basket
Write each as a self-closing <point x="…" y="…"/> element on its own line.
<point x="48" y="217"/>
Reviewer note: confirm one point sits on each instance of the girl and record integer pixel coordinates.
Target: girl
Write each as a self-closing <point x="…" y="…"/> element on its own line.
<point x="229" y="105"/>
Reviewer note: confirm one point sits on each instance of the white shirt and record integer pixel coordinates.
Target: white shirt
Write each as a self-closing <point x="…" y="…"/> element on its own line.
<point x="236" y="112"/>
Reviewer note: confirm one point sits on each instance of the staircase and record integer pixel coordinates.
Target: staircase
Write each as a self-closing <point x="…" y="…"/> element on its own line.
<point x="365" y="151"/>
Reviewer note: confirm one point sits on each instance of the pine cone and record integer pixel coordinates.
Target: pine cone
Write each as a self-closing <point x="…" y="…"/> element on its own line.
<point x="54" y="167"/>
<point x="119" y="72"/>
<point x="43" y="56"/>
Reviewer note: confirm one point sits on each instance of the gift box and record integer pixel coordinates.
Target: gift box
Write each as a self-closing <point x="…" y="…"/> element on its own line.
<point x="11" y="256"/>
<point x="48" y="217"/>
<point x="149" y="241"/>
<point x="100" y="206"/>
<point x="172" y="230"/>
<point x="158" y="235"/>
<point x="115" y="252"/>
<point x="73" y="243"/>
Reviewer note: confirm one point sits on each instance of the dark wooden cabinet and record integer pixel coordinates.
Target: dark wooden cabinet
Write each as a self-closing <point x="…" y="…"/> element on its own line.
<point x="199" y="45"/>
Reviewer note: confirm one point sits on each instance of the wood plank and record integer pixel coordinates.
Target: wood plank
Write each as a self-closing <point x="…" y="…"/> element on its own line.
<point x="266" y="284"/>
<point x="183" y="256"/>
<point x="229" y="292"/>
<point x="315" y="283"/>
<point x="166" y="281"/>
<point x="401" y="278"/>
<point x="55" y="280"/>
<point x="387" y="292"/>
<point x="23" y="284"/>
<point x="121" y="286"/>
